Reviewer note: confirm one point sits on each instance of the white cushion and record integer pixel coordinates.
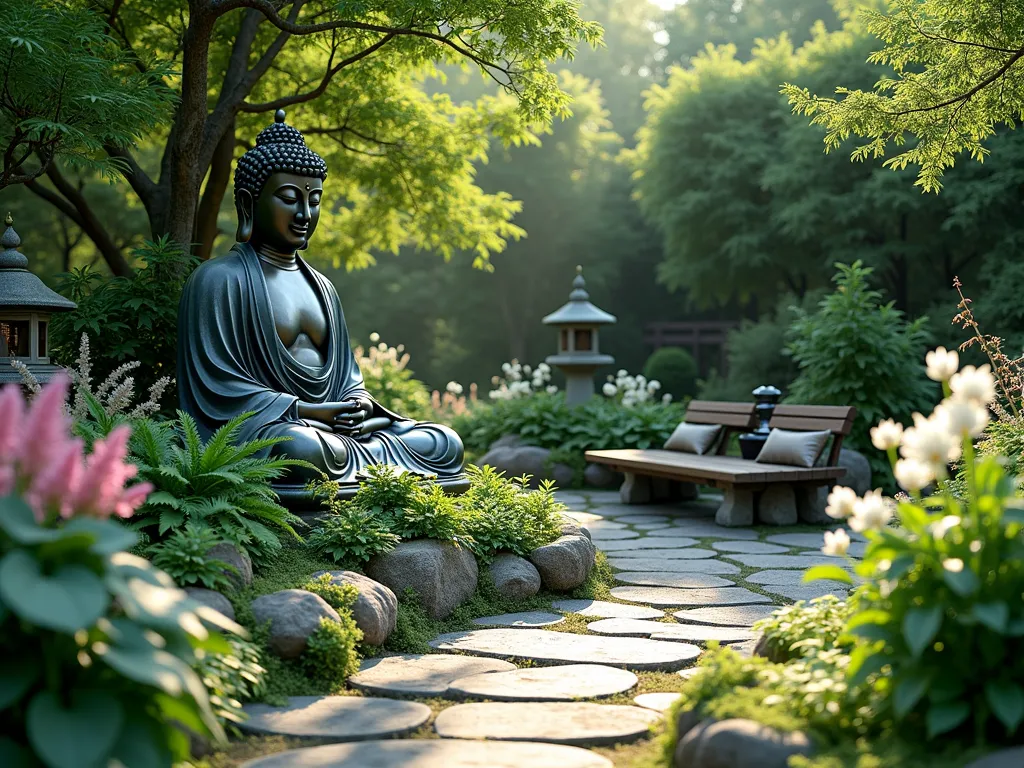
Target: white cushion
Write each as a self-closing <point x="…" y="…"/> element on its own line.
<point x="797" y="449"/>
<point x="693" y="438"/>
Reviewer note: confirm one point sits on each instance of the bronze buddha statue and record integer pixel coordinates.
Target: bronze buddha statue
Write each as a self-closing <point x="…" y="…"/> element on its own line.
<point x="261" y="331"/>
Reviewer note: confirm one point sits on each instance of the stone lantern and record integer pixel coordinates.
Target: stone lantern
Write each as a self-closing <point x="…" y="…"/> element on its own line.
<point x="25" y="308"/>
<point x="579" y="353"/>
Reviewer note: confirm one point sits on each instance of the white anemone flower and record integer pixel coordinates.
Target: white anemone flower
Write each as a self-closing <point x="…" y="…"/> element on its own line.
<point x="963" y="416"/>
<point x="872" y="513"/>
<point x="976" y="384"/>
<point x="836" y="543"/>
<point x="552" y="389"/>
<point x="941" y="364"/>
<point x="666" y="398"/>
<point x="609" y="389"/>
<point x="913" y="475"/>
<point x="886" y="435"/>
<point x="930" y="442"/>
<point x="374" y="337"/>
<point x="841" y="502"/>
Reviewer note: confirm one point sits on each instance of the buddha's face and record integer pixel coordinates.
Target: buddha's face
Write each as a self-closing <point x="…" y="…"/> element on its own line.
<point x="287" y="211"/>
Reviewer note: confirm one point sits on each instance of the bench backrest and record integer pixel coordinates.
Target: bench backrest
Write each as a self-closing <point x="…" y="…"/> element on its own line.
<point x="732" y="417"/>
<point x="837" y="419"/>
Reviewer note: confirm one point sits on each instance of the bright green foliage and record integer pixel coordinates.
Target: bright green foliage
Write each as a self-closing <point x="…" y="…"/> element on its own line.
<point x="940" y="614"/>
<point x="857" y="351"/>
<point x="675" y="369"/>
<point x="794" y="628"/>
<point x="233" y="679"/>
<point x="217" y="484"/>
<point x="350" y="535"/>
<point x="127" y="318"/>
<point x="184" y="556"/>
<point x="341" y="597"/>
<point x="97" y="643"/>
<point x="546" y="420"/>
<point x="70" y="90"/>
<point x="390" y="382"/>
<point x="503" y="515"/>
<point x="330" y="652"/>
<point x="1004" y="438"/>
<point x="957" y="76"/>
<point x="433" y="514"/>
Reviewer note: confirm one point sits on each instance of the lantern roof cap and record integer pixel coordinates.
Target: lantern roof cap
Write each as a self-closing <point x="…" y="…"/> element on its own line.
<point x="579" y="310"/>
<point x="18" y="286"/>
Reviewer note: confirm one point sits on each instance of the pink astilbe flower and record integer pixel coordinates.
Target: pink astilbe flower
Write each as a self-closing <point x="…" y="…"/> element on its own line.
<point x="102" y="490"/>
<point x="54" y="487"/>
<point x="12" y="417"/>
<point x="46" y="429"/>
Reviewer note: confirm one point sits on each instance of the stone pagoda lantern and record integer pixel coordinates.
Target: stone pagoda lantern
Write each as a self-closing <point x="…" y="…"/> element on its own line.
<point x="25" y="308"/>
<point x="579" y="354"/>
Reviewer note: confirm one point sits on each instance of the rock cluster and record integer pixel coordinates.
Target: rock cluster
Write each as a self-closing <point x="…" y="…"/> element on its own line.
<point x="734" y="743"/>
<point x="509" y="455"/>
<point x="442" y="574"/>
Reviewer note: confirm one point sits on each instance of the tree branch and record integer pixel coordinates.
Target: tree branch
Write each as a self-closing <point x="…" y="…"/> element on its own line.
<point x="137" y="178"/>
<point x="987" y="81"/>
<point x="951" y="41"/>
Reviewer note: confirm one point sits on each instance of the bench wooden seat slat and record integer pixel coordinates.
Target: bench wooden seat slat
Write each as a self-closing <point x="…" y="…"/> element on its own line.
<point x="730" y="469"/>
<point x="805" y="424"/>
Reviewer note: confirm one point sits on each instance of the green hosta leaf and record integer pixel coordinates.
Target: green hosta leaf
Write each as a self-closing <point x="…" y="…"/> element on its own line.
<point x="870" y="616"/>
<point x="908" y="691"/>
<point x="992" y="615"/>
<point x="109" y="537"/>
<point x="152" y="667"/>
<point x="920" y="625"/>
<point x="18" y="522"/>
<point x="1007" y="702"/>
<point x="16" y="677"/>
<point x="74" y="736"/>
<point x="942" y="718"/>
<point x="964" y="582"/>
<point x="141" y="744"/>
<point x="70" y="599"/>
<point x="831" y="572"/>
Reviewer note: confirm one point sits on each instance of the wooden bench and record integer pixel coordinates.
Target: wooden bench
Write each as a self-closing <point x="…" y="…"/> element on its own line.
<point x="774" y="494"/>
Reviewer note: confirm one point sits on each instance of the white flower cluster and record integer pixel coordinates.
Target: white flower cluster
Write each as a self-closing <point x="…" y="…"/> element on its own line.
<point x="630" y="390"/>
<point x="519" y="380"/>
<point x="926" y="449"/>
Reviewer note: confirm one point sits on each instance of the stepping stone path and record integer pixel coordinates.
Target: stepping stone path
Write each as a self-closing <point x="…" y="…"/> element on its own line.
<point x="336" y="718"/>
<point x="682" y="598"/>
<point x="576" y="723"/>
<point x="527" y="619"/>
<point x="544" y="647"/>
<point x="660" y="630"/>
<point x="568" y="682"/>
<point x="427" y="675"/>
<point x="666" y="556"/>
<point x="684" y="580"/>
<point x="659" y="702"/>
<point x="605" y="610"/>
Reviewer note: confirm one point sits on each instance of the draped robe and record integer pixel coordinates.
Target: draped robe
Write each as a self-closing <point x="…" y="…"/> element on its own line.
<point x="231" y="361"/>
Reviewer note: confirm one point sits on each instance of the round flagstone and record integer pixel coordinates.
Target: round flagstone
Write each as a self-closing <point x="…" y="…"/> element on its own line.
<point x="672" y="565"/>
<point x="727" y="615"/>
<point x="660" y="630"/>
<point x="603" y="609"/>
<point x="633" y="519"/>
<point x="811" y="540"/>
<point x="686" y="674"/>
<point x="567" y="682"/>
<point x="659" y="702"/>
<point x="664" y="579"/>
<point x="604" y="534"/>
<point x="677" y="553"/>
<point x="420" y="675"/>
<point x="682" y="598"/>
<point x="749" y="547"/>
<point x="546" y="647"/>
<point x="581" y="724"/>
<point x="434" y="753"/>
<point x="601" y="524"/>
<point x="584" y="518"/>
<point x="703" y="529"/>
<point x="782" y="561"/>
<point x="785" y="579"/>
<point x="807" y="591"/>
<point x="645" y="543"/>
<point x="336" y="718"/>
<point x="651" y="526"/>
<point x="524" y="619"/>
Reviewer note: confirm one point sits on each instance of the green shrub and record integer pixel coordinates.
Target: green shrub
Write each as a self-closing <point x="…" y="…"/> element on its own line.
<point x="545" y="420"/>
<point x="350" y="536"/>
<point x="341" y="597"/>
<point x="793" y="629"/>
<point x="390" y="382"/>
<point x="232" y="679"/>
<point x="218" y="484"/>
<point x="857" y="351"/>
<point x="128" y="318"/>
<point x="433" y="514"/>
<point x="331" y="650"/>
<point x="675" y="369"/>
<point x="184" y="556"/>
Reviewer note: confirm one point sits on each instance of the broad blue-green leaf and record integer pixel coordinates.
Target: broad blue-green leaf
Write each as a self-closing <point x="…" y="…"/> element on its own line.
<point x="154" y="668"/>
<point x="70" y="599"/>
<point x="964" y="582"/>
<point x="832" y="572"/>
<point x="142" y="744"/>
<point x="111" y="537"/>
<point x="16" y="677"/>
<point x="942" y="718"/>
<point x="75" y="736"/>
<point x="1007" y="702"/>
<point x="992" y="615"/>
<point x="920" y="625"/>
<point x="18" y="522"/>
<point x="908" y="692"/>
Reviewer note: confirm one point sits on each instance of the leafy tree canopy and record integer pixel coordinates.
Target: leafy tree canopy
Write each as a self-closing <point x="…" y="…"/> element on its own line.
<point x="957" y="74"/>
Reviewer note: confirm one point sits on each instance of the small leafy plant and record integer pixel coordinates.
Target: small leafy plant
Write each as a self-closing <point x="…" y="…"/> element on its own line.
<point x="184" y="556"/>
<point x="792" y="629"/>
<point x="350" y="536"/>
<point x="331" y="650"/>
<point x="341" y="597"/>
<point x="218" y="484"/>
<point x="232" y="679"/>
<point x="433" y="514"/>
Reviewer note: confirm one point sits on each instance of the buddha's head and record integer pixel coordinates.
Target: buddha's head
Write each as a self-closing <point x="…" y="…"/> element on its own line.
<point x="278" y="185"/>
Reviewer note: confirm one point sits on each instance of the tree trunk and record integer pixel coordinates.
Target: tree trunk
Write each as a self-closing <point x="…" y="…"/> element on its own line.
<point x="216" y="185"/>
